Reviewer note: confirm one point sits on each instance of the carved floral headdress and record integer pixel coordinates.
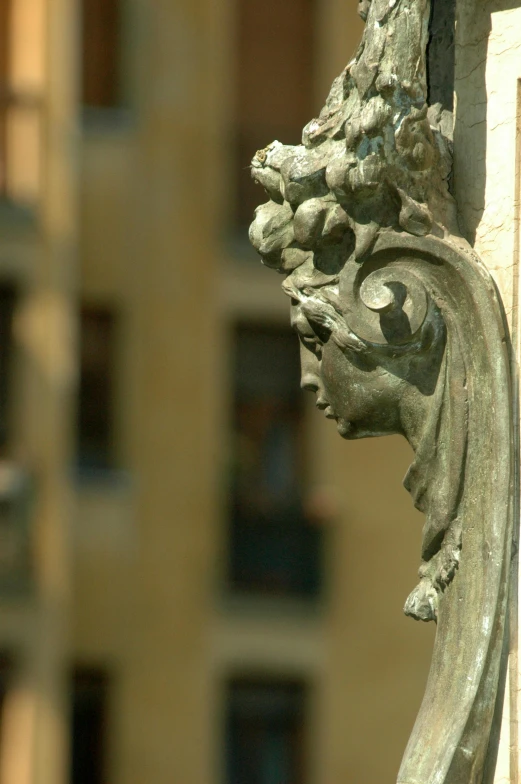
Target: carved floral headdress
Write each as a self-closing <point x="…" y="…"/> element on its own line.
<point x="376" y="158"/>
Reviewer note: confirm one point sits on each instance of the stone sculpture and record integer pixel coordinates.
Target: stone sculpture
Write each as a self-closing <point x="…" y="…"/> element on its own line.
<point x="401" y="331"/>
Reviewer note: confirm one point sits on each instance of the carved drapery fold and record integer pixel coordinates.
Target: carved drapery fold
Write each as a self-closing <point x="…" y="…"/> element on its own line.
<point x="401" y="332"/>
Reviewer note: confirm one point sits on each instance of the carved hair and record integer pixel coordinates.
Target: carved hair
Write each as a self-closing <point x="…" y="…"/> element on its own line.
<point x="376" y="157"/>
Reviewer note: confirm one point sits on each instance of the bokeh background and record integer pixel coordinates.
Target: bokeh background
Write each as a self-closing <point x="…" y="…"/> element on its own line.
<point x="200" y="582"/>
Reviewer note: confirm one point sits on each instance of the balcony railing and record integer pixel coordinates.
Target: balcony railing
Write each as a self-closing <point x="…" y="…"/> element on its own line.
<point x="279" y="557"/>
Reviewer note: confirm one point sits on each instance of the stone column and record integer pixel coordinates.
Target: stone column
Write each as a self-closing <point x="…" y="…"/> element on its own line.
<point x="487" y="165"/>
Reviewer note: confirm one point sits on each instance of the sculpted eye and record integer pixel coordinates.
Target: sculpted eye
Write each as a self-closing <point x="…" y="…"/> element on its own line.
<point x="312" y="344"/>
<point x="322" y="333"/>
<point x="312" y="334"/>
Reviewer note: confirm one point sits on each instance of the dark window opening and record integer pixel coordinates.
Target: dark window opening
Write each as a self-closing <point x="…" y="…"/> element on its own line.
<point x="90" y="689"/>
<point x="8" y="299"/>
<point x="8" y="675"/>
<point x="95" y="415"/>
<point x="274" y="85"/>
<point x="7" y="672"/>
<point x="101" y="67"/>
<point x="265" y="733"/>
<point x="16" y="550"/>
<point x="275" y="549"/>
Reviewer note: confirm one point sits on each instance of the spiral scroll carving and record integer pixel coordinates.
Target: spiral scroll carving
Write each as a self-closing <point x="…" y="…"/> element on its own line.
<point x="386" y="307"/>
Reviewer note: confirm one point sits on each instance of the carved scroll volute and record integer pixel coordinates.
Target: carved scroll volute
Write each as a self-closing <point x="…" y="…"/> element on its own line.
<point x="405" y="331"/>
<point x="462" y="480"/>
<point x="384" y="303"/>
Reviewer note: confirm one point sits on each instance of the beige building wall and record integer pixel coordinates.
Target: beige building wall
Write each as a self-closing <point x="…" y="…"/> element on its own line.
<point x="154" y="200"/>
<point x="142" y="548"/>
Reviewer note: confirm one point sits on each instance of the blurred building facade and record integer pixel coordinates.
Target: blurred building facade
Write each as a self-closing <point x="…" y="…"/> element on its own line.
<point x="200" y="582"/>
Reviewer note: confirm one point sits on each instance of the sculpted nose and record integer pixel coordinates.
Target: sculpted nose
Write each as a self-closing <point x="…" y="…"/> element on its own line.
<point x="309" y="369"/>
<point x="309" y="382"/>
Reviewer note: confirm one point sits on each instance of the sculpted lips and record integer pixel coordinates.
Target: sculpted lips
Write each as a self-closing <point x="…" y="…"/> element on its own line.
<point x="344" y="427"/>
<point x="324" y="406"/>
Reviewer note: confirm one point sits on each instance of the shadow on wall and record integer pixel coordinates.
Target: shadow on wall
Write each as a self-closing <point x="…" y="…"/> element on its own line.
<point x="471" y="112"/>
<point x="473" y="31"/>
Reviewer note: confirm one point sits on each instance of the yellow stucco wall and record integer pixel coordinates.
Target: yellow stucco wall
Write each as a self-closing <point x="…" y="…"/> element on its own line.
<point x="148" y="560"/>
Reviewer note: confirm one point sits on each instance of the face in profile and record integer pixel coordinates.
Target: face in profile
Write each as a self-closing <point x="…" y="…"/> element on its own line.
<point x="351" y="387"/>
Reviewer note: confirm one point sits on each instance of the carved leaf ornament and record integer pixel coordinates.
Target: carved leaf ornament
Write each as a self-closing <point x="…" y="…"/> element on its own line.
<point x="401" y="332"/>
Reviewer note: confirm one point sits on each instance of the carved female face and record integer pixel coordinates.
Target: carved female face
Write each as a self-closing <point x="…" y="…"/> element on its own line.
<point x="363" y="398"/>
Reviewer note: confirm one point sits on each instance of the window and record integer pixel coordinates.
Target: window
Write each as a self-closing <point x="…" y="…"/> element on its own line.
<point x="90" y="687"/>
<point x="16" y="550"/>
<point x="265" y="731"/>
<point x="8" y="669"/>
<point x="101" y="53"/>
<point x="274" y="548"/>
<point x="7" y="306"/>
<point x="95" y="405"/>
<point x="274" y="85"/>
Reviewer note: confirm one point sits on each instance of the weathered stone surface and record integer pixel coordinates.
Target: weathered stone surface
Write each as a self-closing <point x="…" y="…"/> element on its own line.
<point x="401" y="331"/>
<point x="487" y="166"/>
